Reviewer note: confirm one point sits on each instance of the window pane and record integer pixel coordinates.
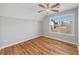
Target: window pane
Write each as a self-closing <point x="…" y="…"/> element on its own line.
<point x="66" y="24"/>
<point x="54" y="24"/>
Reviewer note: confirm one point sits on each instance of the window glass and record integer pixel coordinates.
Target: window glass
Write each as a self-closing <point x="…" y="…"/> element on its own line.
<point x="62" y="24"/>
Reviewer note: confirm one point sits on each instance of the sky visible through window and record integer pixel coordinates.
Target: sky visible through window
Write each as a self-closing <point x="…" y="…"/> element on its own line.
<point x="66" y="18"/>
<point x="62" y="18"/>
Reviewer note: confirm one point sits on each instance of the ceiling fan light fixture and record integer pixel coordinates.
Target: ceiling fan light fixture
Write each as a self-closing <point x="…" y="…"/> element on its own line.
<point x="47" y="10"/>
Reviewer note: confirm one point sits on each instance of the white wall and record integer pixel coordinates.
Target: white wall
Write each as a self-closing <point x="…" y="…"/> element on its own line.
<point x="67" y="38"/>
<point x="13" y="30"/>
<point x="13" y="10"/>
<point x="17" y="24"/>
<point x="18" y="11"/>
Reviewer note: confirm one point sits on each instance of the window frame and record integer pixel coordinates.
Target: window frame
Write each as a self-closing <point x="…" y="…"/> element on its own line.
<point x="59" y="32"/>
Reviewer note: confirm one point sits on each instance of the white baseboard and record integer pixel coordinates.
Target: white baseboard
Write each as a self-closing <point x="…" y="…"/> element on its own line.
<point x="36" y="37"/>
<point x="60" y="39"/>
<point x="20" y="41"/>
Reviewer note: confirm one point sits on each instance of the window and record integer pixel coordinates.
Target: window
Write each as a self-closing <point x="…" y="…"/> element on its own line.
<point x="62" y="24"/>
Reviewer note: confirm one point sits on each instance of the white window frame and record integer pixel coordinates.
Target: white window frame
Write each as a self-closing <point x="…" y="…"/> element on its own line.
<point x="72" y="34"/>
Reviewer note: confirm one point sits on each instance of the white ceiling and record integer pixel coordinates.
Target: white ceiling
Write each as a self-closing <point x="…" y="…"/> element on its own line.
<point x="33" y="7"/>
<point x="29" y="10"/>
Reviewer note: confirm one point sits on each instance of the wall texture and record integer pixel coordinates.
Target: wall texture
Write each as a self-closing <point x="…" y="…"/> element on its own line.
<point x="17" y="24"/>
<point x="68" y="38"/>
<point x="19" y="11"/>
<point x="13" y="30"/>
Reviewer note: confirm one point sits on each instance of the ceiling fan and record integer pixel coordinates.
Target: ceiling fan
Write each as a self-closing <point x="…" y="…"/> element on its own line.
<point x="47" y="7"/>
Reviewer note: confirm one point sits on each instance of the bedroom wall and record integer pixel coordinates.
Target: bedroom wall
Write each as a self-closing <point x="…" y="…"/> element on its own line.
<point x="14" y="10"/>
<point x="17" y="24"/>
<point x="67" y="38"/>
<point x="13" y="30"/>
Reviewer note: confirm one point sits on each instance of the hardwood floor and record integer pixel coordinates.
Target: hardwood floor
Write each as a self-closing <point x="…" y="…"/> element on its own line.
<point x="41" y="46"/>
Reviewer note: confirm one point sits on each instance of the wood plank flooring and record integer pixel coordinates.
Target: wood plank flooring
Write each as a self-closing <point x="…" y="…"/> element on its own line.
<point x="41" y="46"/>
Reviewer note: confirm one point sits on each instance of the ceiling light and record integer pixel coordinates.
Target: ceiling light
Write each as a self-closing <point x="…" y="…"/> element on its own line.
<point x="47" y="10"/>
<point x="47" y="7"/>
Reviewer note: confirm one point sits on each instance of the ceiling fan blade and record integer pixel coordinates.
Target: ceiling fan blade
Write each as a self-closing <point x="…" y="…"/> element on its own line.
<point x="47" y="5"/>
<point x="55" y="5"/>
<point x="41" y="11"/>
<point x="55" y="10"/>
<point x="42" y="6"/>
